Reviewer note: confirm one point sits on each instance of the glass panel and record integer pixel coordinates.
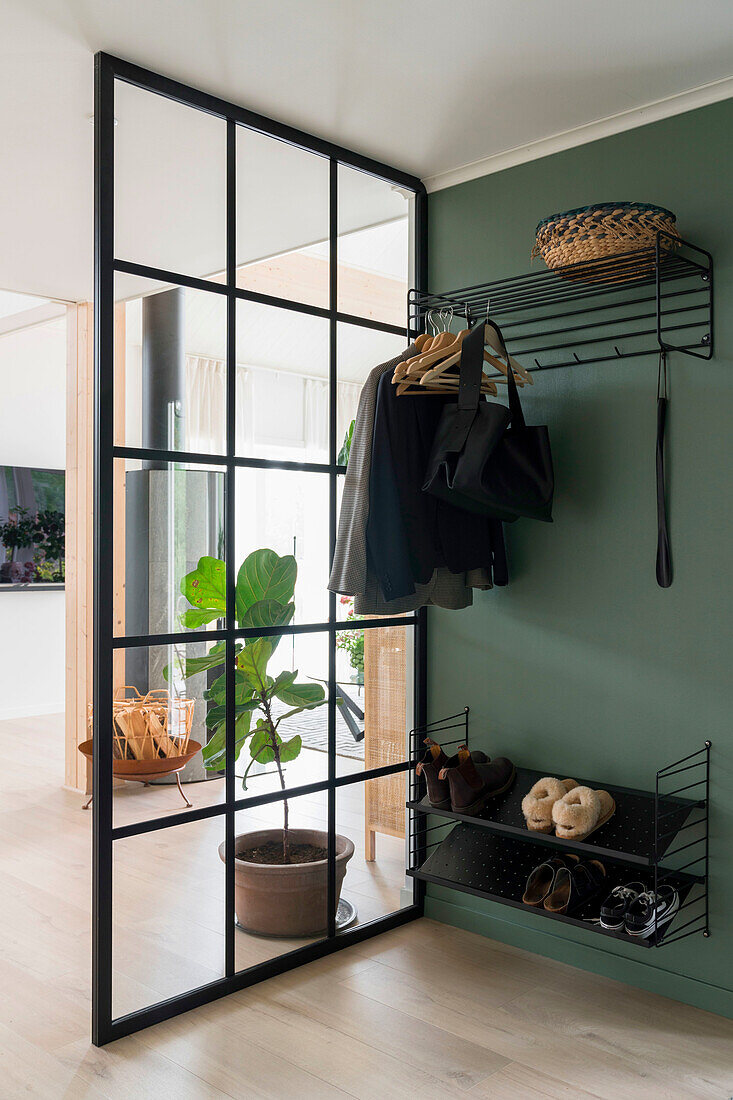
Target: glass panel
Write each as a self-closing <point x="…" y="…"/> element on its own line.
<point x="372" y="817"/>
<point x="275" y="914"/>
<point x="375" y="676"/>
<point x="170" y="367"/>
<point x="373" y="247"/>
<point x="358" y="351"/>
<point x="282" y="219"/>
<point x="168" y="913"/>
<point x="287" y="512"/>
<point x="169" y="702"/>
<point x="282" y="384"/>
<point x="303" y="733"/>
<point x="170" y="184"/>
<point x="168" y="516"/>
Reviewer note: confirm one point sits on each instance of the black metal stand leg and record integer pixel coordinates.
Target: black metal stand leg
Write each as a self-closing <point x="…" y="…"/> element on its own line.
<point x="180" y="788"/>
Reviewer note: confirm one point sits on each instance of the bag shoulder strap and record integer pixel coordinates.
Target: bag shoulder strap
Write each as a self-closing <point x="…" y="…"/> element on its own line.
<point x="471" y="369"/>
<point x="469" y="391"/>
<point x="515" y="405"/>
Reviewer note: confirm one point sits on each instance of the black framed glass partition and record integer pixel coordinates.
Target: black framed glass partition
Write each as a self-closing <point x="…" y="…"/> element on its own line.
<point x="247" y="278"/>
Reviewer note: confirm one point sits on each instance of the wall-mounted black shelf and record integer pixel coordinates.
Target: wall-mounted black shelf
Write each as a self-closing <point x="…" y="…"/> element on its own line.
<point x="628" y="836"/>
<point x="496" y="868"/>
<point x="602" y="310"/>
<point x="656" y="837"/>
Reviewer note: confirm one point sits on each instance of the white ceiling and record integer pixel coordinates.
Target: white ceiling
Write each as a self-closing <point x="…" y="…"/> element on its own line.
<point x="424" y="85"/>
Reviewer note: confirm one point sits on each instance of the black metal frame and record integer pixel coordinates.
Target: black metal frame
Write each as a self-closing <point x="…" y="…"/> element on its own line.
<point x="108" y="69"/>
<point x="698" y="763"/>
<point x="635" y="299"/>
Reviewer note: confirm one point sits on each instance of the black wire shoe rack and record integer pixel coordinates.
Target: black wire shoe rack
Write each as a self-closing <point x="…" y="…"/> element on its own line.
<point x="657" y="837"/>
<point x="638" y="303"/>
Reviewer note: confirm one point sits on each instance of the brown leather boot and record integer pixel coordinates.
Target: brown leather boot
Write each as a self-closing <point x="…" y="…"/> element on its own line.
<point x="432" y="766"/>
<point x="471" y="784"/>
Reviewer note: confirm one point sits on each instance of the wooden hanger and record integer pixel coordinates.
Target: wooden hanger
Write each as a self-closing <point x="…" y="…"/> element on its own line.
<point x="420" y="363"/>
<point x="520" y="374"/>
<point x="439" y="345"/>
<point x="446" y="386"/>
<point x="492" y="339"/>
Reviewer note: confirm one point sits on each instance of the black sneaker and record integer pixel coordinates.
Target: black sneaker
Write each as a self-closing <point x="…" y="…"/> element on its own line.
<point x="616" y="905"/>
<point x="651" y="911"/>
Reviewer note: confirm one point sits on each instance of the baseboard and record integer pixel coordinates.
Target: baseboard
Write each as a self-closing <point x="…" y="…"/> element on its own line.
<point x="641" y="974"/>
<point x="31" y="710"/>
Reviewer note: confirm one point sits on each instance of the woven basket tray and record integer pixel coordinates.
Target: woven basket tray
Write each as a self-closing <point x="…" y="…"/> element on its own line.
<point x="601" y="231"/>
<point x="149" y="727"/>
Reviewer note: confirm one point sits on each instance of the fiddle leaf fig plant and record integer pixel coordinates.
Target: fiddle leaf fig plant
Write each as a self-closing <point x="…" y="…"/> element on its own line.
<point x="263" y="599"/>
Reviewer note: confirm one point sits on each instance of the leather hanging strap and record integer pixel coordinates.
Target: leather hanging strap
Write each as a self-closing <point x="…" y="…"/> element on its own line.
<point x="664" y="559"/>
<point x="469" y="389"/>
<point x="515" y="405"/>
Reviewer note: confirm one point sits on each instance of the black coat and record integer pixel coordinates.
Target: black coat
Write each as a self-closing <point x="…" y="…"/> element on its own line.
<point x="411" y="533"/>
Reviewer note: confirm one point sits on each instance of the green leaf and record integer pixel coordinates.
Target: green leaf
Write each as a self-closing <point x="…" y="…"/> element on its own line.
<point x="214" y="752"/>
<point x="290" y="749"/>
<point x="190" y="666"/>
<point x="297" y="710"/>
<point x="284" y="680"/>
<point x="241" y="730"/>
<point x="205" y="587"/>
<point x="268" y="613"/>
<point x="192" y="620"/>
<point x="301" y="695"/>
<point x="264" y="575"/>
<point x="252" y="662"/>
<point x="260" y="747"/>
<point x="217" y="693"/>
<point x="218" y="714"/>
<point x="343" y="455"/>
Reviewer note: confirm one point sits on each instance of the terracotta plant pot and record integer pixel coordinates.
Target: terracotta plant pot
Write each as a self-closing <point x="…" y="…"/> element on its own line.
<point x="289" y="899"/>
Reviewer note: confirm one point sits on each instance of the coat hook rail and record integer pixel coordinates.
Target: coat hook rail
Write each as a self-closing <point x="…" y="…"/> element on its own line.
<point x="600" y="297"/>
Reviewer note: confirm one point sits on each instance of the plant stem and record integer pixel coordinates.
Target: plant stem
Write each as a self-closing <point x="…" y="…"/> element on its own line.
<point x="278" y="763"/>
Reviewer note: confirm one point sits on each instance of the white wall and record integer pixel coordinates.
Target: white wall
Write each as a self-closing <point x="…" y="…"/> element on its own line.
<point x="32" y="433"/>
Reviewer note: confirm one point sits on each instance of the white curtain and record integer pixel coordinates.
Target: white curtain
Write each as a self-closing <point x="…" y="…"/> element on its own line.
<point x="263" y="429"/>
<point x="206" y="392"/>
<point x="348" y="400"/>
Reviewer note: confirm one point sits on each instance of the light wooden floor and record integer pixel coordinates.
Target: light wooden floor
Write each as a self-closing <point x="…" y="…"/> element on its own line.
<point x="424" y="1011"/>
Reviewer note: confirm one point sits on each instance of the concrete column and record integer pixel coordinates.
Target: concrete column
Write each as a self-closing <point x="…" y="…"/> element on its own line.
<point x="172" y="514"/>
<point x="164" y="371"/>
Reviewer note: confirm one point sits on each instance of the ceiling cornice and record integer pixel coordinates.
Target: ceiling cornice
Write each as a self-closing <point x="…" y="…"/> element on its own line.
<point x="581" y="135"/>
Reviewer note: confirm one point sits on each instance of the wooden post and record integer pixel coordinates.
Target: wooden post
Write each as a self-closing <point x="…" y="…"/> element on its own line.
<point x="79" y="527"/>
<point x="79" y="495"/>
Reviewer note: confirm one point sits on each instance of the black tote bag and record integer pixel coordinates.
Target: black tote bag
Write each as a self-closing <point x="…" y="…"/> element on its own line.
<point x="485" y="458"/>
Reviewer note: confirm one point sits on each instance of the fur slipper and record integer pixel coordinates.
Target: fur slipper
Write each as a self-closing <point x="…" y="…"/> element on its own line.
<point x="537" y="805"/>
<point x="580" y="812"/>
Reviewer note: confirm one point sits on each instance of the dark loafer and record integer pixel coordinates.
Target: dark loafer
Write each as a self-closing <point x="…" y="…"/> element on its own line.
<point x="573" y="887"/>
<point x="472" y="784"/>
<point x="542" y="880"/>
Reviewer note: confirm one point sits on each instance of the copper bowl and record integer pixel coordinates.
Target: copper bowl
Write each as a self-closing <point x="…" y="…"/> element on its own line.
<point x="143" y="770"/>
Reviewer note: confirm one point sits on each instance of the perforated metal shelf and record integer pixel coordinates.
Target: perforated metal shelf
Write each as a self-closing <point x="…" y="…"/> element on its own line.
<point x="628" y="836"/>
<point x="477" y="862"/>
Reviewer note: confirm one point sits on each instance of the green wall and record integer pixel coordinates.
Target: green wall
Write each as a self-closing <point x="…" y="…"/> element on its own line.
<point x="583" y="666"/>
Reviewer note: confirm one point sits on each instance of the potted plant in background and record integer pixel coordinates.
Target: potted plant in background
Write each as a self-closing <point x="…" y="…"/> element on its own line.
<point x="281" y="875"/>
<point x="351" y="642"/>
<point x="17" y="534"/>
<point x="49" y="537"/>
